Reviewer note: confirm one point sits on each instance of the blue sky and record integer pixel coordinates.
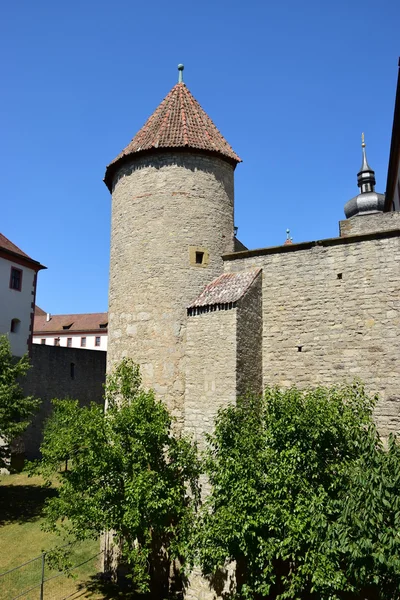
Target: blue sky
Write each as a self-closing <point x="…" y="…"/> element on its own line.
<point x="290" y="84"/>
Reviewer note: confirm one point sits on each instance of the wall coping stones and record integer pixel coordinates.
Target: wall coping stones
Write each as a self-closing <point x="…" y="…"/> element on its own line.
<point x="336" y="241"/>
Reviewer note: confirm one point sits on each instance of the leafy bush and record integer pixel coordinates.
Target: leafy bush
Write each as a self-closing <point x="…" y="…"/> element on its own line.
<point x="304" y="498"/>
<point x="127" y="473"/>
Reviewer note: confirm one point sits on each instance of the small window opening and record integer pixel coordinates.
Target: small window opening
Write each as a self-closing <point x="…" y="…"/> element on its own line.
<point x="97" y="340"/>
<point x="69" y="342"/>
<point x="72" y="370"/>
<point x="83" y="342"/>
<point x="57" y="341"/>
<point x="15" y="325"/>
<point x="67" y="326"/>
<point x="16" y="279"/>
<point x="43" y="341"/>
<point x="199" y="258"/>
<point x="299" y="348"/>
<point x="103" y="325"/>
<point x="340" y="275"/>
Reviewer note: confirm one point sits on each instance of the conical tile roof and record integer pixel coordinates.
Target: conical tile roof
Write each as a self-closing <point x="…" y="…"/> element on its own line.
<point x="178" y="122"/>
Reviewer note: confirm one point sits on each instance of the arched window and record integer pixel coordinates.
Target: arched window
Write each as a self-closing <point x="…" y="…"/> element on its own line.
<point x="15" y="325"/>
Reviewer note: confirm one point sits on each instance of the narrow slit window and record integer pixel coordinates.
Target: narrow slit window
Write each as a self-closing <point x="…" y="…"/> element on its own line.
<point x="199" y="258"/>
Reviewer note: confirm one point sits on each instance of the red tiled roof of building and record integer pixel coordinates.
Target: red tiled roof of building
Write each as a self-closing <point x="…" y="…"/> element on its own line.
<point x="9" y="247"/>
<point x="39" y="311"/>
<point x="6" y="244"/>
<point x="227" y="288"/>
<point x="66" y="323"/>
<point x="178" y="122"/>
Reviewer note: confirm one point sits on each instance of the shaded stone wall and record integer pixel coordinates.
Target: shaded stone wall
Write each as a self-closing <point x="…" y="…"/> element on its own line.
<point x="331" y="312"/>
<point x="369" y="223"/>
<point x="211" y="354"/>
<point x="165" y="208"/>
<point x="223" y="359"/>
<point x="249" y="340"/>
<point x="61" y="373"/>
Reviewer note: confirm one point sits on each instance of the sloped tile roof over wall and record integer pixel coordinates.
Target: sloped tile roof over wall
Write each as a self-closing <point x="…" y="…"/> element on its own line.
<point x="225" y="290"/>
<point x="70" y="323"/>
<point x="178" y="122"/>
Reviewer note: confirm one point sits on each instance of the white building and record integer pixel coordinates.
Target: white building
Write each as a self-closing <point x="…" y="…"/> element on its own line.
<point x="88" y="331"/>
<point x="18" y="274"/>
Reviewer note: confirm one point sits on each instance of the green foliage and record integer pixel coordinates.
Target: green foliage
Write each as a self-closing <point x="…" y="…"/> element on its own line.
<point x="16" y="409"/>
<point x="127" y="474"/>
<point x="304" y="498"/>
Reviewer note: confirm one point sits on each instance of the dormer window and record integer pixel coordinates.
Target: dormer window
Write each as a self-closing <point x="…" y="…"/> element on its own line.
<point x="16" y="279"/>
<point x="67" y="326"/>
<point x="103" y="325"/>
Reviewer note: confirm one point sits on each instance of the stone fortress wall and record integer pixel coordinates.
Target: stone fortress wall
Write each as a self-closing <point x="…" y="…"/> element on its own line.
<point x="331" y="310"/>
<point x="60" y="373"/>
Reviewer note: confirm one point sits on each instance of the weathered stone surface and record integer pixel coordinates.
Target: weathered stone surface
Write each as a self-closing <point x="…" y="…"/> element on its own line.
<point x="369" y="223"/>
<point x="223" y="359"/>
<point x="163" y="206"/>
<point x="331" y="314"/>
<point x="58" y="372"/>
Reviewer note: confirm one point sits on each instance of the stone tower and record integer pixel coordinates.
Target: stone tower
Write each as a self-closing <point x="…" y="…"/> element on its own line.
<point x="172" y="220"/>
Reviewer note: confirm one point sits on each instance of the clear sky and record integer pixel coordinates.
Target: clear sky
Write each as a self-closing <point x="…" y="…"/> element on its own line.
<point x="290" y="84"/>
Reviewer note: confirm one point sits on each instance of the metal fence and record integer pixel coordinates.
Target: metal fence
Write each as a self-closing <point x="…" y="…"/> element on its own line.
<point x="39" y="579"/>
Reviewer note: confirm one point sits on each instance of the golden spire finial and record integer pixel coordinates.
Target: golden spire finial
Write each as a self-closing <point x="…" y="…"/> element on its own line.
<point x="362" y="141"/>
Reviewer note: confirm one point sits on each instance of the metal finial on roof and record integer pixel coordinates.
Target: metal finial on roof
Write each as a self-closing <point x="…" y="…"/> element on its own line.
<point x="180" y="69"/>
<point x="288" y="240"/>
<point x="364" y="166"/>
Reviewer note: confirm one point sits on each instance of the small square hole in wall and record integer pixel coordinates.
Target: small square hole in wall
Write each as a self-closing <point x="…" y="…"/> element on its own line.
<point x="340" y="275"/>
<point x="199" y="258"/>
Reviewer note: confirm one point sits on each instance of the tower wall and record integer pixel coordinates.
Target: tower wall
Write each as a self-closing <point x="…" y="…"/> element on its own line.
<point x="169" y="210"/>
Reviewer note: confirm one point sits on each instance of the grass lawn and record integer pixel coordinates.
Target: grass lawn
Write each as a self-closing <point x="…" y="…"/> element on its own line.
<point x="21" y="539"/>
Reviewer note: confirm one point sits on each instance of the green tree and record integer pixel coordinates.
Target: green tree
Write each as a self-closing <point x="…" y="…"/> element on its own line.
<point x="304" y="498"/>
<point x="127" y="474"/>
<point x="16" y="409"/>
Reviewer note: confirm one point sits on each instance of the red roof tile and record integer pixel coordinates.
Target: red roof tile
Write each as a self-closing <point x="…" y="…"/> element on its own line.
<point x="82" y="322"/>
<point x="178" y="122"/>
<point x="227" y="288"/>
<point x="7" y="245"/>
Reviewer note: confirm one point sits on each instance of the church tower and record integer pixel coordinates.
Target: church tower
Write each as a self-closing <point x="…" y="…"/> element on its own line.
<point x="172" y="220"/>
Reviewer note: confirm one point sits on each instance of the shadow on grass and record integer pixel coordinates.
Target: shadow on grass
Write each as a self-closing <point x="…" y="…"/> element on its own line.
<point x="101" y="585"/>
<point x="22" y="503"/>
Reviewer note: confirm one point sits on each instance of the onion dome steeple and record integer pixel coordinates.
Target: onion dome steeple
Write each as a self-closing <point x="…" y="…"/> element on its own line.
<point x="368" y="201"/>
<point x="179" y="123"/>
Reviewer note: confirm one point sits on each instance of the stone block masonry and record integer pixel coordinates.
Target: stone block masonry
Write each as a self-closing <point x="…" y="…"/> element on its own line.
<point x="172" y="219"/>
<point x="331" y="313"/>
<point x="223" y="355"/>
<point x="61" y="373"/>
<point x="369" y="223"/>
